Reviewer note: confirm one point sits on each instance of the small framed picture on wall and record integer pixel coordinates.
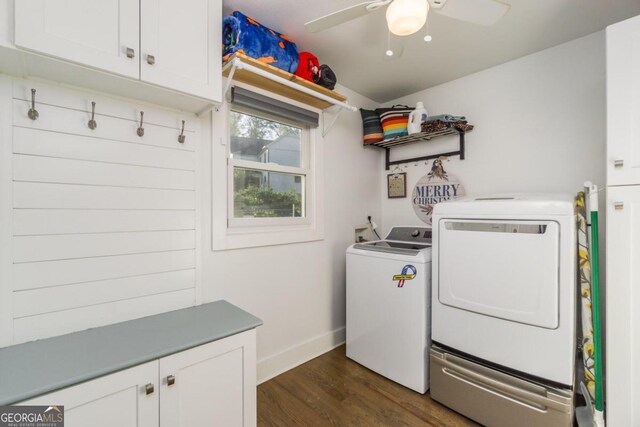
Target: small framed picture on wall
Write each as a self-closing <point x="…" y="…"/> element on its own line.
<point x="397" y="185"/>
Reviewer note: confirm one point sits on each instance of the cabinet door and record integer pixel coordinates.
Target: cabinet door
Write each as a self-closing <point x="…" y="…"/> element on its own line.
<point x="623" y="300"/>
<point x="118" y="399"/>
<point x="623" y="102"/>
<point x="95" y="33"/>
<point x="210" y="385"/>
<point x="181" y="45"/>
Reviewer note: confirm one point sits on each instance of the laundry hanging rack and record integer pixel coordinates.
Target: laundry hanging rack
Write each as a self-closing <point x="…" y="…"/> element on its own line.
<point x="387" y="144"/>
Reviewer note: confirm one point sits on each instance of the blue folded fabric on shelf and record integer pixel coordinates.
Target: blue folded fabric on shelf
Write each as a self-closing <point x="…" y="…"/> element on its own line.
<point x="244" y="35"/>
<point x="446" y="118"/>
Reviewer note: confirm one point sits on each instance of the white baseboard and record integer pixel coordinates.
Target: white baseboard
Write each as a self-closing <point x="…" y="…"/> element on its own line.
<point x="279" y="363"/>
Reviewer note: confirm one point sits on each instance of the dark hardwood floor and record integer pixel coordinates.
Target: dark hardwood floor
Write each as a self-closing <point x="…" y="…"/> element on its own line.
<point x="333" y="390"/>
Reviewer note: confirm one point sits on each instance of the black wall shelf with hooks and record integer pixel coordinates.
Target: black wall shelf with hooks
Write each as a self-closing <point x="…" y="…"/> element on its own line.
<point x="387" y="144"/>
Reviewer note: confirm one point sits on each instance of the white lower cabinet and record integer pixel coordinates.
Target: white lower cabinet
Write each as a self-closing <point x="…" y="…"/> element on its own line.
<point x="623" y="300"/>
<point x="213" y="384"/>
<point x="209" y="385"/>
<point x="118" y="399"/>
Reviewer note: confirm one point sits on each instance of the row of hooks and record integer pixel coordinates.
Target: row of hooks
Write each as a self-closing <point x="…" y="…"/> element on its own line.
<point x="398" y="169"/>
<point x="92" y="124"/>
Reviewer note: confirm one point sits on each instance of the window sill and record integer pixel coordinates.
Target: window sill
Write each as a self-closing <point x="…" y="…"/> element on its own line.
<point x="251" y="237"/>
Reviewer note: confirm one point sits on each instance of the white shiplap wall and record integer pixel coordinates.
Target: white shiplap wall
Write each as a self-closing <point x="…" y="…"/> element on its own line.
<point x="103" y="224"/>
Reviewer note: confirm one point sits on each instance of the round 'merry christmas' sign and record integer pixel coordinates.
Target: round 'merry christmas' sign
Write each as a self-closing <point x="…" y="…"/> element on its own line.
<point x="435" y="187"/>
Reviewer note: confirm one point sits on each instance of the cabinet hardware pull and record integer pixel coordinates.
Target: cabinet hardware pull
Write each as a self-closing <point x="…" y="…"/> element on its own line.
<point x="181" y="137"/>
<point x="33" y="113"/>
<point x="148" y="388"/>
<point x="92" y="123"/>
<point x="140" y="130"/>
<point x="618" y="163"/>
<point x="171" y="380"/>
<point x="151" y="59"/>
<point x="618" y="205"/>
<point x="130" y="53"/>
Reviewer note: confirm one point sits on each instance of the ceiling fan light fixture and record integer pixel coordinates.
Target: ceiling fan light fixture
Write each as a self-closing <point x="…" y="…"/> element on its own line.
<point x="405" y="17"/>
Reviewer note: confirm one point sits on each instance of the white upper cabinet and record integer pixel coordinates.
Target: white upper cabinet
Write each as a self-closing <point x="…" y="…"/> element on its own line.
<point x="623" y="103"/>
<point x="180" y="47"/>
<point x="101" y="34"/>
<point x="170" y="44"/>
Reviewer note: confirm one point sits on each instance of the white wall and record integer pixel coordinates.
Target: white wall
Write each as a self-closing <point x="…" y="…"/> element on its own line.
<point x="97" y="226"/>
<point x="540" y="126"/>
<point x="298" y="290"/>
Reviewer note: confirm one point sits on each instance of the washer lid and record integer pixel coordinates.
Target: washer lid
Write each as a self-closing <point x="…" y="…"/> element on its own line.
<point x="393" y="247"/>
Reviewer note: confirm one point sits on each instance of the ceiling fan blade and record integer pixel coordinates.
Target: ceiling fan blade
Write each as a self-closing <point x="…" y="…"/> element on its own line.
<point x="344" y="15"/>
<point x="481" y="12"/>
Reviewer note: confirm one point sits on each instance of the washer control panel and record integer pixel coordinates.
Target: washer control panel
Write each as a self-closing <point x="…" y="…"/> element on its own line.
<point x="410" y="234"/>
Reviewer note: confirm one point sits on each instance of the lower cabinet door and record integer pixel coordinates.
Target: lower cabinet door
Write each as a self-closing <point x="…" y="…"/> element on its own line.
<point x="210" y="385"/>
<point x="127" y="398"/>
<point x="622" y="302"/>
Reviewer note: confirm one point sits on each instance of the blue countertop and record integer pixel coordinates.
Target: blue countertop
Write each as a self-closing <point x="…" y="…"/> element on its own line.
<point x="38" y="367"/>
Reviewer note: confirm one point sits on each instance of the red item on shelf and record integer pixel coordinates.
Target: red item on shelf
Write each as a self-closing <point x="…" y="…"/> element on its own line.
<point x="308" y="66"/>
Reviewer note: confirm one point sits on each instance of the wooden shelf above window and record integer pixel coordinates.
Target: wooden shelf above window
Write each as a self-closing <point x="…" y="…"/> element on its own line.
<point x="246" y="76"/>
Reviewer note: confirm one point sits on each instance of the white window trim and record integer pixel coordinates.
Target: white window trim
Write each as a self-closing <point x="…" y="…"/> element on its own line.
<point x="229" y="233"/>
<point x="304" y="169"/>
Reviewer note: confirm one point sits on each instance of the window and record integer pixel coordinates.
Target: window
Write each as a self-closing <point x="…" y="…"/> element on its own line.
<point x="268" y="170"/>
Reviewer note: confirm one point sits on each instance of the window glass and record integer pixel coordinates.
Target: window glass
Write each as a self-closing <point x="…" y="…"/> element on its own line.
<point x="265" y="141"/>
<point x="263" y="194"/>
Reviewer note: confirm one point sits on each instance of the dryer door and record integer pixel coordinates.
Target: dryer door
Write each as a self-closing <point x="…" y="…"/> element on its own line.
<point x="504" y="269"/>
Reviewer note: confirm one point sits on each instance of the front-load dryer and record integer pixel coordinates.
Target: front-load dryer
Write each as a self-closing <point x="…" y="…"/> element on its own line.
<point x="504" y="306"/>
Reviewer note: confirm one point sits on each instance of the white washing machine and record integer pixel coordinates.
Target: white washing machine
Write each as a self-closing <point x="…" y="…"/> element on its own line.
<point x="388" y="305"/>
<point x="504" y="283"/>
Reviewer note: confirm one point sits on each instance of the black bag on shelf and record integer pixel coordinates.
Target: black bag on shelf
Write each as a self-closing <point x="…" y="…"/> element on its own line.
<point x="326" y="77"/>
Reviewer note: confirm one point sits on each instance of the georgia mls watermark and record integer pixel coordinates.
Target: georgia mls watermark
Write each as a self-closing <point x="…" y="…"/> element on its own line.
<point x="32" y="416"/>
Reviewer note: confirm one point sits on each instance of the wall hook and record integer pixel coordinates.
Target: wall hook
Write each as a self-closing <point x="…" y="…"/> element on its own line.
<point x="181" y="137"/>
<point x="33" y="113"/>
<point x="140" y="130"/>
<point x="92" y="123"/>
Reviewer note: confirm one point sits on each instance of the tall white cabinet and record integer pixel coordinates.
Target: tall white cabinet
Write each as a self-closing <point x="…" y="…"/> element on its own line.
<point x="623" y="224"/>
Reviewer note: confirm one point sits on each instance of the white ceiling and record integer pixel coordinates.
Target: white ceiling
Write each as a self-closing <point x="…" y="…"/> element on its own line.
<point x="355" y="50"/>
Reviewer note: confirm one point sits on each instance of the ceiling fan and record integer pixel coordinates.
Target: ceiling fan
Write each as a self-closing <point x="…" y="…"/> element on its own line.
<point x="405" y="17"/>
